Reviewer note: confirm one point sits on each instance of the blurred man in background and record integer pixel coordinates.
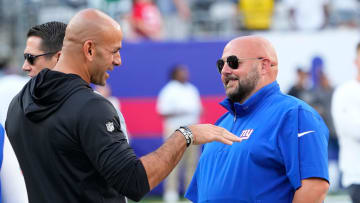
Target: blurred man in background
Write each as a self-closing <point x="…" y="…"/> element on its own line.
<point x="13" y="188"/>
<point x="146" y="20"/>
<point x="299" y="88"/>
<point x="283" y="155"/>
<point x="68" y="139"/>
<point x="256" y="15"/>
<point x="307" y="15"/>
<point x="319" y="97"/>
<point x="179" y="104"/>
<point x="2" y="135"/>
<point x="346" y="114"/>
<point x="177" y="18"/>
<point x="10" y="85"/>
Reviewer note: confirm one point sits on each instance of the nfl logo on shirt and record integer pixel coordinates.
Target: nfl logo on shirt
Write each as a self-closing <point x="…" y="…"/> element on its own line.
<point x="245" y="134"/>
<point x="110" y="126"/>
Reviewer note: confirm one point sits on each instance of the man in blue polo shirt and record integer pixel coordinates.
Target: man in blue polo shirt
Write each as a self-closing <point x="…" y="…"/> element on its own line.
<point x="283" y="155"/>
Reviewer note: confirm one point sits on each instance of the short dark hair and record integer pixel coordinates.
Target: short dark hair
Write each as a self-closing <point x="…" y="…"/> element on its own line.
<point x="52" y="35"/>
<point x="175" y="70"/>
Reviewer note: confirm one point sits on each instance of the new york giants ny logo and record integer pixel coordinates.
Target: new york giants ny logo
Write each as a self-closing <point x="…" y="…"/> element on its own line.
<point x="245" y="134"/>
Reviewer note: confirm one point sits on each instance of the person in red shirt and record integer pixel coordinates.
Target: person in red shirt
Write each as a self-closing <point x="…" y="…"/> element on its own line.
<point x="146" y="20"/>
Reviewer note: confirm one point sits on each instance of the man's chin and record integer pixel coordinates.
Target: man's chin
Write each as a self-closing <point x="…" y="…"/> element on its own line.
<point x="235" y="95"/>
<point x="98" y="82"/>
<point x="102" y="83"/>
<point x="231" y="95"/>
<point x="230" y="90"/>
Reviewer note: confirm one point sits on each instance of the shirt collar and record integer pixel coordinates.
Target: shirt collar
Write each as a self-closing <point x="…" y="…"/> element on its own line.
<point x="252" y="102"/>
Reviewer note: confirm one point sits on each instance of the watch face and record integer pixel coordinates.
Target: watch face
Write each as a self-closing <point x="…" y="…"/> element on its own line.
<point x="187" y="135"/>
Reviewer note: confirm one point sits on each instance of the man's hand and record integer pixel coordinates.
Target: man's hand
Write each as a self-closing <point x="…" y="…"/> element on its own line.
<point x="159" y="164"/>
<point x="204" y="133"/>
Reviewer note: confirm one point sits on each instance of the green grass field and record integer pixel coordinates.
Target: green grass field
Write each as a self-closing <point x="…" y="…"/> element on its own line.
<point x="340" y="197"/>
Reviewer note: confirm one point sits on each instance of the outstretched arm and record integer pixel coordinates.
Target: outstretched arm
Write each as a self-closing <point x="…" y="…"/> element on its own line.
<point x="160" y="163"/>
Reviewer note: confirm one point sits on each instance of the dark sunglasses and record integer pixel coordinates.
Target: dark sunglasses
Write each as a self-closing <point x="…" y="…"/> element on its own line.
<point x="31" y="58"/>
<point x="233" y="62"/>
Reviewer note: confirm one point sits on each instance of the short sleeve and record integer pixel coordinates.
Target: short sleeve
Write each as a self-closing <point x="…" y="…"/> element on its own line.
<point x="303" y="142"/>
<point x="104" y="143"/>
<point x="313" y="138"/>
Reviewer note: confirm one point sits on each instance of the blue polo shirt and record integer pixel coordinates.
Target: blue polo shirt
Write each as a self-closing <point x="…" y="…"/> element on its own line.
<point x="2" y="134"/>
<point x="284" y="141"/>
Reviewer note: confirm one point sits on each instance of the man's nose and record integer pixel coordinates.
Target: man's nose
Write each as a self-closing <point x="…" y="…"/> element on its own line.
<point x="226" y="69"/>
<point x="117" y="60"/>
<point x="26" y="66"/>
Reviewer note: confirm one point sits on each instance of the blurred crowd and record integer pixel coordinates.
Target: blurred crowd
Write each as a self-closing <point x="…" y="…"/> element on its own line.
<point x="314" y="87"/>
<point x="198" y="19"/>
<point x="180" y="19"/>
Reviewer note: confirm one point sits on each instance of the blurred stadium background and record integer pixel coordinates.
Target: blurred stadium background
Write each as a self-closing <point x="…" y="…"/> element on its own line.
<point x="194" y="32"/>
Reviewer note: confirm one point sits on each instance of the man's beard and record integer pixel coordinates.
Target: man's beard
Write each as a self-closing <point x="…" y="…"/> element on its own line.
<point x="245" y="86"/>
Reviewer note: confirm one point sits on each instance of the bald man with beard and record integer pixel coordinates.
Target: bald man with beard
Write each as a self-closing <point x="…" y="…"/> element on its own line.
<point x="68" y="139"/>
<point x="283" y="155"/>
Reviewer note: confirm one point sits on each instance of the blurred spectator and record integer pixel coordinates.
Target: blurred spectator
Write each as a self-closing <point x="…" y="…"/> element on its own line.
<point x="2" y="135"/>
<point x="319" y="97"/>
<point x="146" y="20"/>
<point x="76" y="3"/>
<point x="200" y="19"/>
<point x="256" y="15"/>
<point x="105" y="91"/>
<point x="10" y="85"/>
<point x="308" y="15"/>
<point x="224" y="18"/>
<point x="180" y="105"/>
<point x="299" y="88"/>
<point x="345" y="13"/>
<point x="13" y="188"/>
<point x="321" y="94"/>
<point x="177" y="16"/>
<point x="346" y="111"/>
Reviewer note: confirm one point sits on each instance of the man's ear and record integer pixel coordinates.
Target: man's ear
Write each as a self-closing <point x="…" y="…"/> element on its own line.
<point x="57" y="55"/>
<point x="89" y="49"/>
<point x="266" y="65"/>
